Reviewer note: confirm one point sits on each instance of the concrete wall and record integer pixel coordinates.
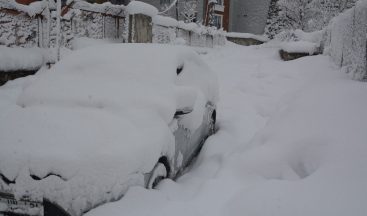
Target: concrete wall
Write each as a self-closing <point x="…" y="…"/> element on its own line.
<point x="140" y="29"/>
<point x="248" y="16"/>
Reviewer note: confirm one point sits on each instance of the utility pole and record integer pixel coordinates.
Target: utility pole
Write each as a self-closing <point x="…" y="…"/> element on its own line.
<point x="58" y="29"/>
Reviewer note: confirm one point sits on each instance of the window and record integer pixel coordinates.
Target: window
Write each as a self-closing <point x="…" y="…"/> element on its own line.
<point x="218" y="21"/>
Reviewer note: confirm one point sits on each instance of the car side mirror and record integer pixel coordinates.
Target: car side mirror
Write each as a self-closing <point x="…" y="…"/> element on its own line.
<point x="183" y="111"/>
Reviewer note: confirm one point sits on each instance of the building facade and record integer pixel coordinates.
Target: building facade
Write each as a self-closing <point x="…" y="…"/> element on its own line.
<point x="248" y="16"/>
<point x="220" y="13"/>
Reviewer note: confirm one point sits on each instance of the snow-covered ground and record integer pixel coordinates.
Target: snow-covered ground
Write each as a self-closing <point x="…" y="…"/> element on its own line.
<point x="291" y="141"/>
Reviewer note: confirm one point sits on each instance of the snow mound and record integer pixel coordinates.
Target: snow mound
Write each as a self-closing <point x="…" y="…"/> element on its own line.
<point x="138" y="7"/>
<point x="14" y="59"/>
<point x="300" y="47"/>
<point x="187" y="26"/>
<point x="165" y="21"/>
<point x="83" y="42"/>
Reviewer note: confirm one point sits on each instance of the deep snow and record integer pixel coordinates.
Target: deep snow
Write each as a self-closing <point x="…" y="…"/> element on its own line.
<point x="291" y="141"/>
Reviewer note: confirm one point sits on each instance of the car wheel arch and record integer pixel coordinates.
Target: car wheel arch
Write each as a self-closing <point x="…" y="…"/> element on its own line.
<point x="165" y="161"/>
<point x="214" y="116"/>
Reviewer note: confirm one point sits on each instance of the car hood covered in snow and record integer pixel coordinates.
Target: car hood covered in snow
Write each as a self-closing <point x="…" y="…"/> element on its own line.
<point x="85" y="130"/>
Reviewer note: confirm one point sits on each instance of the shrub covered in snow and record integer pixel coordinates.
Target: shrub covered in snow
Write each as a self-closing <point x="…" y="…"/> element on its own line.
<point x="167" y="30"/>
<point x="307" y="15"/>
<point x="346" y="41"/>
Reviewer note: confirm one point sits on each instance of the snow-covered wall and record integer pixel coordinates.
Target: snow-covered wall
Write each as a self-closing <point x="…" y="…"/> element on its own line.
<point x="346" y="40"/>
<point x="35" y="25"/>
<point x="19" y="29"/>
<point x="181" y="9"/>
<point x="96" y="21"/>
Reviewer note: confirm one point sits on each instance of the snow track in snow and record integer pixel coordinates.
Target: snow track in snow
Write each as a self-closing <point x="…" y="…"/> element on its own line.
<point x="291" y="141"/>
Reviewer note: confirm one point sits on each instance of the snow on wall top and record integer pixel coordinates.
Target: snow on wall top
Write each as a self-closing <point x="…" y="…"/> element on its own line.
<point x="13" y="59"/>
<point x="165" y="21"/>
<point x="32" y="10"/>
<point x="138" y="7"/>
<point x="106" y="8"/>
<point x="247" y="35"/>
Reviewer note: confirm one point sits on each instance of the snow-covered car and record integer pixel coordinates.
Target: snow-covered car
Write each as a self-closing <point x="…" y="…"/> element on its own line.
<point x="103" y="119"/>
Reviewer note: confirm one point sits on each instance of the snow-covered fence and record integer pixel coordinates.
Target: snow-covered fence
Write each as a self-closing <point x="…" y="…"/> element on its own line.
<point x="35" y="25"/>
<point x="96" y="21"/>
<point x="346" y="40"/>
<point x="22" y="26"/>
<point x="168" y="30"/>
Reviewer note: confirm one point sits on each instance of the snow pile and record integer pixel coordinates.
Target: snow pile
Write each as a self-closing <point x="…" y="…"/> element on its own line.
<point x="138" y="7"/>
<point x="247" y="35"/>
<point x="98" y="121"/>
<point x="83" y="42"/>
<point x="346" y="43"/>
<point x="187" y="26"/>
<point x="299" y="35"/>
<point x="291" y="141"/>
<point x="14" y="59"/>
<point x="168" y="30"/>
<point x="165" y="21"/>
<point x="300" y="47"/>
<point x="298" y="41"/>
